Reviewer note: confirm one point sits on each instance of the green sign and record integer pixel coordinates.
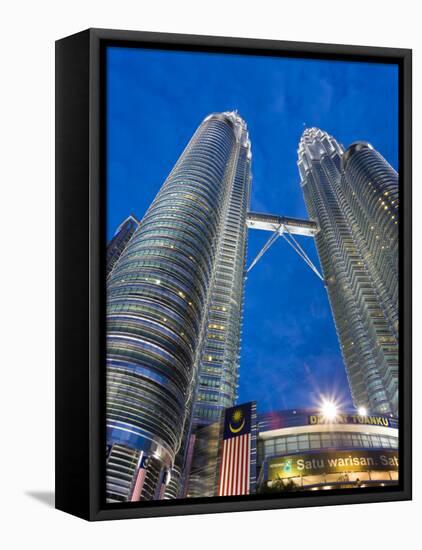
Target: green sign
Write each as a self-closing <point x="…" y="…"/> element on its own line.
<point x="330" y="462"/>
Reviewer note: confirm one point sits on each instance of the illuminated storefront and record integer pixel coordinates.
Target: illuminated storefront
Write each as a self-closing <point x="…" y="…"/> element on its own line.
<point x="307" y="450"/>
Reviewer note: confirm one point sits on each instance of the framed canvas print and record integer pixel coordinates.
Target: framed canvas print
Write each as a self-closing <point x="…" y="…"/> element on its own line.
<point x="233" y="274"/>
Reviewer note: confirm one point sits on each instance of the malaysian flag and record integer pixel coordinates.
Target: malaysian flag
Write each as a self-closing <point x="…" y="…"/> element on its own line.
<point x="235" y="465"/>
<point x="140" y="477"/>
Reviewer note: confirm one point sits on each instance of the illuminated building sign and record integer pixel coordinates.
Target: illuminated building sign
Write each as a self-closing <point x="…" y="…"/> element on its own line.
<point x="331" y="462"/>
<point x="351" y="419"/>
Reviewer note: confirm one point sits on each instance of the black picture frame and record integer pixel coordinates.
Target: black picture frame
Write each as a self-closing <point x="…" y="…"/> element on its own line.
<point x="80" y="284"/>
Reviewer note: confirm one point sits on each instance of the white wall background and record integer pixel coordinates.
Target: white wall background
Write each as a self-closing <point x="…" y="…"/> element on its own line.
<point x="27" y="36"/>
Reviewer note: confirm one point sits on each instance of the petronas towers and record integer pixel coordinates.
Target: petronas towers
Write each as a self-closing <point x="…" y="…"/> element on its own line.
<point x="174" y="306"/>
<point x="353" y="196"/>
<point x="175" y="290"/>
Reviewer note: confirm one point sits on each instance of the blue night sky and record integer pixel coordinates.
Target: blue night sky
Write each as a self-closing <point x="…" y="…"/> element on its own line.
<point x="157" y="99"/>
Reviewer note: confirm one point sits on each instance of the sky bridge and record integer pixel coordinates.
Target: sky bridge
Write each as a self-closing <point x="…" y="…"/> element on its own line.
<point x="285" y="227"/>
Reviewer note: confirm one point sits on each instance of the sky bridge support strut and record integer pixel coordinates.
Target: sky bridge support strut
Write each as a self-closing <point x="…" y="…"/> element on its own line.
<point x="285" y="229"/>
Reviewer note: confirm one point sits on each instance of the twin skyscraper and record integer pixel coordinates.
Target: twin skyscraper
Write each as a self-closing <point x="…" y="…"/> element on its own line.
<point x="353" y="195"/>
<point x="175" y="285"/>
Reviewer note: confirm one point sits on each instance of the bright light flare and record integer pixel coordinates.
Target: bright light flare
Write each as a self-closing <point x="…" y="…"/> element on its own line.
<point x="362" y="411"/>
<point x="329" y="409"/>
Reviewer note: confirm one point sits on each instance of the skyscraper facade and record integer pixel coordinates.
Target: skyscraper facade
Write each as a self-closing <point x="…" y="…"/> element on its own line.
<point x="372" y="191"/>
<point x="353" y="196"/>
<point x="119" y="241"/>
<point x="219" y="361"/>
<point x="174" y="303"/>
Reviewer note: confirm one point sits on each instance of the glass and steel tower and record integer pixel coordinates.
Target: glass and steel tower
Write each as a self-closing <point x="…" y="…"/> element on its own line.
<point x="219" y="361"/>
<point x="119" y="241"/>
<point x="174" y="302"/>
<point x="353" y="196"/>
<point x="372" y="191"/>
